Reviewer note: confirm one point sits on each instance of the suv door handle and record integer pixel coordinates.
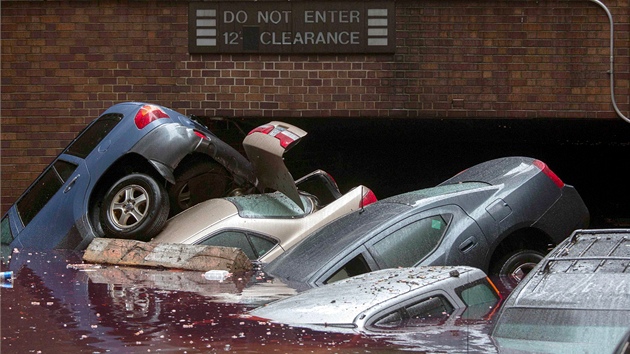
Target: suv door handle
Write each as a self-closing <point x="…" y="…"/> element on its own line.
<point x="71" y="184"/>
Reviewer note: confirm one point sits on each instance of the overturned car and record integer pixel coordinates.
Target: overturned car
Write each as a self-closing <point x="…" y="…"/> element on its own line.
<point x="122" y="176"/>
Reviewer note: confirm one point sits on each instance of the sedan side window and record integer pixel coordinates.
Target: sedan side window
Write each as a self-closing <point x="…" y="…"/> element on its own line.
<point x="355" y="266"/>
<point x="252" y="245"/>
<point x="262" y="245"/>
<point x="407" y="246"/>
<point x="428" y="311"/>
<point x="480" y="297"/>
<point x="232" y="239"/>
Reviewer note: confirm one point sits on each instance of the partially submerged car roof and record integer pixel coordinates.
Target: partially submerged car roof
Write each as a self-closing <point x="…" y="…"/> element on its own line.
<point x="342" y="302"/>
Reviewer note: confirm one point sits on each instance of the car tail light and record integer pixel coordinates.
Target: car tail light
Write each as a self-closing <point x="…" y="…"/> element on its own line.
<point x="285" y="137"/>
<point x="368" y="197"/>
<point x="147" y="114"/>
<point x="201" y="135"/>
<point x="549" y="173"/>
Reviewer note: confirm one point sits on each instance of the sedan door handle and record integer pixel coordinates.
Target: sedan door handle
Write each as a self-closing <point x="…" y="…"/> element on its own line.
<point x="468" y="244"/>
<point x="71" y="184"/>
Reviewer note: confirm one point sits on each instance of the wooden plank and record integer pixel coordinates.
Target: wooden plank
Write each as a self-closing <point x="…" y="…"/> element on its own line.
<point x="168" y="255"/>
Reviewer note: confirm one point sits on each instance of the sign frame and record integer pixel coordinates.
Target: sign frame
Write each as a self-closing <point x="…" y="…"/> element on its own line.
<point x="299" y="27"/>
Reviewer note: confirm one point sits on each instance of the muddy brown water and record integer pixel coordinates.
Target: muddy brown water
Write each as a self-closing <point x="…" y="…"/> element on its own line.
<point x="56" y="304"/>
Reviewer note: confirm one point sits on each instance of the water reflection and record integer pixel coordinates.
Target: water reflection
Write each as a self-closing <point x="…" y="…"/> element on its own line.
<point x="59" y="305"/>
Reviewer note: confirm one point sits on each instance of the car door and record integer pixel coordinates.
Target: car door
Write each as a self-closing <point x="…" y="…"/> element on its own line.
<point x="51" y="206"/>
<point x="445" y="235"/>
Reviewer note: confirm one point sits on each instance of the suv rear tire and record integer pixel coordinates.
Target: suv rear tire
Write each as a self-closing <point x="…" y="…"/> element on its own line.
<point x="135" y="207"/>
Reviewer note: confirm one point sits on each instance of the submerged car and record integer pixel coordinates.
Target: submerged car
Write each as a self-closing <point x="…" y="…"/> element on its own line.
<point x="265" y="225"/>
<point x="500" y="216"/>
<point x="576" y="300"/>
<point x="388" y="300"/>
<point x="121" y="177"/>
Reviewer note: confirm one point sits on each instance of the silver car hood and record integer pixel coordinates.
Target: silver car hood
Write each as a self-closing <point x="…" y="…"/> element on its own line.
<point x="264" y="147"/>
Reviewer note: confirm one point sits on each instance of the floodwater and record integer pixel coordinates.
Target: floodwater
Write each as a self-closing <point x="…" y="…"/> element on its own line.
<point x="55" y="304"/>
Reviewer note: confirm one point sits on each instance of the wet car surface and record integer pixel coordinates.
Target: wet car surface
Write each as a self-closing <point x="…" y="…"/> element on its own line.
<point x="56" y="304"/>
<point x="500" y="216"/>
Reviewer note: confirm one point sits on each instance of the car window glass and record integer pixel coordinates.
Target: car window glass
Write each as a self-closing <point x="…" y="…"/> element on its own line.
<point x="64" y="169"/>
<point x="5" y="229"/>
<point x="433" y="307"/>
<point x="93" y="135"/>
<point x="38" y="195"/>
<point x="262" y="245"/>
<point x="232" y="239"/>
<point x="430" y="310"/>
<point x="391" y="320"/>
<point x="407" y="246"/>
<point x="355" y="266"/>
<point x="479" y="297"/>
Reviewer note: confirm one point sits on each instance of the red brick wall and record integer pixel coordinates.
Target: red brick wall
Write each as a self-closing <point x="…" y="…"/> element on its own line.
<point x="63" y="63"/>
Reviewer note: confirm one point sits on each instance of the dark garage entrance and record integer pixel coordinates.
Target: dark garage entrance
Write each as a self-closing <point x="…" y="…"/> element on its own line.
<point x="393" y="156"/>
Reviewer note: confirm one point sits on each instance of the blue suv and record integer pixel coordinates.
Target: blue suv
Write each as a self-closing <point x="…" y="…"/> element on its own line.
<point x="122" y="177"/>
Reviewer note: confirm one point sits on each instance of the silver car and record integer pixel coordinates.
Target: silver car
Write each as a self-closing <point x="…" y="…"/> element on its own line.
<point x="265" y="225"/>
<point x="388" y="300"/>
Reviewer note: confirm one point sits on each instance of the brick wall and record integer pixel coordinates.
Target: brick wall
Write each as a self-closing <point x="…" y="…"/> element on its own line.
<point x="63" y="63"/>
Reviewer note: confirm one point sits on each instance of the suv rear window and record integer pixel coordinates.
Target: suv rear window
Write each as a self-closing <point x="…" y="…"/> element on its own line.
<point x="93" y="134"/>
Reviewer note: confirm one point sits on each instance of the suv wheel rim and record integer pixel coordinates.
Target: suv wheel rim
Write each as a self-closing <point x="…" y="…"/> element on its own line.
<point x="129" y="206"/>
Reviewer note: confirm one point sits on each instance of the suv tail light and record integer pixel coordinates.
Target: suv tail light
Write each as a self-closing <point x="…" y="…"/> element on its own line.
<point x="368" y="197"/>
<point x="147" y="114"/>
<point x="547" y="171"/>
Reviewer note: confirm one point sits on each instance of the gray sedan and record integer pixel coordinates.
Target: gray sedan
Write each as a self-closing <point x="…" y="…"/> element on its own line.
<point x="501" y="216"/>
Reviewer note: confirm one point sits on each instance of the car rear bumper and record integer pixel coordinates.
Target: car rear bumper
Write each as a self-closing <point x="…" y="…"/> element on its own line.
<point x="567" y="214"/>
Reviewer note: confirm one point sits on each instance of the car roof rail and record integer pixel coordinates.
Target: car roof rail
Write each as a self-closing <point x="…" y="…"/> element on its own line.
<point x="546" y="266"/>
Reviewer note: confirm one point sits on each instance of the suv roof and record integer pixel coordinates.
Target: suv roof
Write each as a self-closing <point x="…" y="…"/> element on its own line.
<point x="575" y="299"/>
<point x="587" y="270"/>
